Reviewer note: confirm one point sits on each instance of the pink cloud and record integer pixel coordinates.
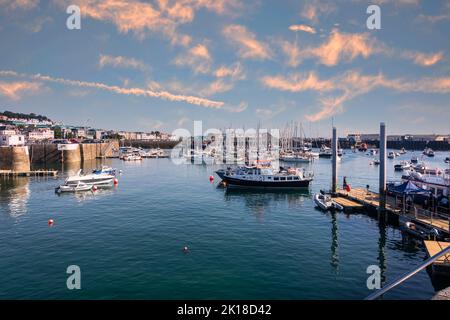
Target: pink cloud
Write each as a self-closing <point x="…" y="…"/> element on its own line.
<point x="15" y="90"/>
<point x="249" y="47"/>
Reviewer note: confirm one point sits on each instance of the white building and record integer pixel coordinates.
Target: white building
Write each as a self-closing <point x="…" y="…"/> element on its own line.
<point x="12" y="140"/>
<point x="41" y="134"/>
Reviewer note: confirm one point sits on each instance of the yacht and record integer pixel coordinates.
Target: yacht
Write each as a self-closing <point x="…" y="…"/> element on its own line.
<point x="97" y="179"/>
<point x="134" y="156"/>
<point x="156" y="153"/>
<point x="265" y="177"/>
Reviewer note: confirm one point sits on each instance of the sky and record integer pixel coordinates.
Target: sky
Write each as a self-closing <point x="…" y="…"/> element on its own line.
<point x="160" y="65"/>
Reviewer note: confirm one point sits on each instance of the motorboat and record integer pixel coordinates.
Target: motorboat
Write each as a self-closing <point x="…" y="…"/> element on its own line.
<point x="79" y="187"/>
<point x="325" y="152"/>
<point x="363" y="147"/>
<point x="97" y="179"/>
<point x="325" y="202"/>
<point x="106" y="170"/>
<point x="134" y="156"/>
<point x="391" y="155"/>
<point x="414" y="160"/>
<point x="403" y="165"/>
<point x="376" y="162"/>
<point x="421" y="232"/>
<point x="428" y="152"/>
<point x="265" y="176"/>
<point x="156" y="153"/>
<point x="403" y="151"/>
<point x="447" y="160"/>
<point x="304" y="157"/>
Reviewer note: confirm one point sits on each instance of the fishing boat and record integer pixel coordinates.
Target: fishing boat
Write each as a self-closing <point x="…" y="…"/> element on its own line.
<point x="325" y="202"/>
<point x="428" y="152"/>
<point x="79" y="187"/>
<point x="403" y="165"/>
<point x="265" y="176"/>
<point x="97" y="179"/>
<point x="363" y="147"/>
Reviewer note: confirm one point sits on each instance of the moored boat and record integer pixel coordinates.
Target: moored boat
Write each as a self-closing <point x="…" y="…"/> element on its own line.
<point x="265" y="177"/>
<point x="79" y="187"/>
<point x="97" y="179"/>
<point x="325" y="202"/>
<point x="428" y="152"/>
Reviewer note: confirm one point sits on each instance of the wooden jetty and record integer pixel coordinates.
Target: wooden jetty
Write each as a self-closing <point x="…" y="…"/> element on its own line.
<point x="441" y="265"/>
<point x="348" y="204"/>
<point x="371" y="200"/>
<point x="32" y="173"/>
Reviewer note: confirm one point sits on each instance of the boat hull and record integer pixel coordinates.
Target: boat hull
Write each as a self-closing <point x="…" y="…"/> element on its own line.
<point x="232" y="182"/>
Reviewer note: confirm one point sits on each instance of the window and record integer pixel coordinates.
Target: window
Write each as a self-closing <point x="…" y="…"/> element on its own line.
<point x="296" y="178"/>
<point x="269" y="178"/>
<point x="283" y="178"/>
<point x="289" y="178"/>
<point x="276" y="178"/>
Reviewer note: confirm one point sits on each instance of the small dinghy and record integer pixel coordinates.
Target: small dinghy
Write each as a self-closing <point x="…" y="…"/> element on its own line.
<point x="325" y="202"/>
<point x="420" y="232"/>
<point x="80" y="186"/>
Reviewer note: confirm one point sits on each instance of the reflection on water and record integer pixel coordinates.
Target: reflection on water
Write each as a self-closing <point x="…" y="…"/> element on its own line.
<point x="90" y="195"/>
<point x="258" y="199"/>
<point x="334" y="242"/>
<point x="14" y="195"/>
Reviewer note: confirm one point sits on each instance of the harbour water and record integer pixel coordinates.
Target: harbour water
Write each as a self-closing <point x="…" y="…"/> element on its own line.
<point x="242" y="244"/>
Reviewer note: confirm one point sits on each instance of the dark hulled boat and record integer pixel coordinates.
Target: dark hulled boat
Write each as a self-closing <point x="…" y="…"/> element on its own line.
<point x="265" y="177"/>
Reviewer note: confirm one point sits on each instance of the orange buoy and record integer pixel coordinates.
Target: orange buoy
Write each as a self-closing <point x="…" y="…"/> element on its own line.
<point x="211" y="178"/>
<point x="50" y="222"/>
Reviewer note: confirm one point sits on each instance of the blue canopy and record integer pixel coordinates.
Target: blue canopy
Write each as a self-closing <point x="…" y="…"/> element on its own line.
<point x="408" y="188"/>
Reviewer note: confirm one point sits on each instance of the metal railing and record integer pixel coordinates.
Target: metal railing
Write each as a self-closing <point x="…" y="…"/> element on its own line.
<point x="408" y="275"/>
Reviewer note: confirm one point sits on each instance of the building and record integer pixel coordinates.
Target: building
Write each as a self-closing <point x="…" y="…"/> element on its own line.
<point x="7" y="130"/>
<point x="41" y="134"/>
<point x="12" y="140"/>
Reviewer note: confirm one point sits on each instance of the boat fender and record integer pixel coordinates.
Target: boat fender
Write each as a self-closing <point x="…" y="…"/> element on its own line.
<point x="116" y="182"/>
<point x="50" y="222"/>
<point x="211" y="178"/>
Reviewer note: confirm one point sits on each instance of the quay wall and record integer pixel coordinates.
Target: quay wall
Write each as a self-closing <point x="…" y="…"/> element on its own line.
<point x="14" y="158"/>
<point x="49" y="153"/>
<point x="148" y="144"/>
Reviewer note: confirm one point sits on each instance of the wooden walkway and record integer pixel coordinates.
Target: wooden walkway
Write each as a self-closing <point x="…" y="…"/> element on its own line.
<point x="35" y="173"/>
<point x="372" y="200"/>
<point x="434" y="247"/>
<point x="347" y="203"/>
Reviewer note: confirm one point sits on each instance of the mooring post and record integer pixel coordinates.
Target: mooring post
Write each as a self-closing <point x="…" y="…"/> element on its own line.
<point x="334" y="149"/>
<point x="382" y="180"/>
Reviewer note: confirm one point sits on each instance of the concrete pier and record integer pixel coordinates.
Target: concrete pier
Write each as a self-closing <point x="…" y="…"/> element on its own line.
<point x="15" y="159"/>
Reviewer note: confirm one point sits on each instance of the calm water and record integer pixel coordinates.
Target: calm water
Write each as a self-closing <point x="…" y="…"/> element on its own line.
<point x="262" y="245"/>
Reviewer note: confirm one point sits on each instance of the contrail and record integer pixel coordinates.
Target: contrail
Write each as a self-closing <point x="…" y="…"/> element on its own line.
<point x="120" y="90"/>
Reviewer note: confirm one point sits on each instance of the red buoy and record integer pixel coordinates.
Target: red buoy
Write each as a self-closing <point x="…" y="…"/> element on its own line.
<point x="94" y="188"/>
<point x="50" y="222"/>
<point x="211" y="178"/>
<point x="116" y="182"/>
